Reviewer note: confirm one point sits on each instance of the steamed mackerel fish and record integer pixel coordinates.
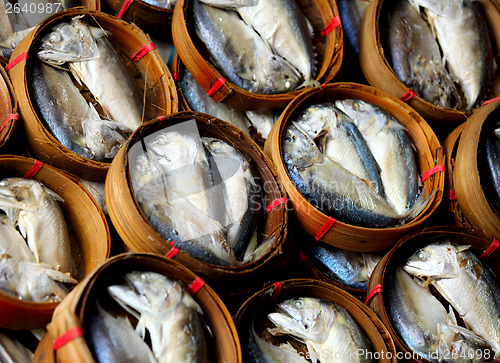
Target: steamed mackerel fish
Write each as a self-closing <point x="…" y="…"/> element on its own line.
<point x="242" y="55"/>
<point x="340" y="140"/>
<point x="328" y="330"/>
<point x="492" y="149"/>
<point x="176" y="189"/>
<point x="115" y="340"/>
<point x="94" y="62"/>
<point x="72" y="120"/>
<point x="330" y="187"/>
<point x="351" y="14"/>
<point x="393" y="152"/>
<point x="349" y="268"/>
<point x="424" y="323"/>
<point x="462" y="32"/>
<point x="460" y="277"/>
<point x="416" y="57"/>
<point x="167" y="312"/>
<point x="201" y="194"/>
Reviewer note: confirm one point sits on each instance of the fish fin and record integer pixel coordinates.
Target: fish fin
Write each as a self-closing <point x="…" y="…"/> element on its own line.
<point x="313" y="355"/>
<point x="420" y="204"/>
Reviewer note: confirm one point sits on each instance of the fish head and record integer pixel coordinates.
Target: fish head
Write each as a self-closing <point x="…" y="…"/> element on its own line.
<point x="317" y="120"/>
<point x="70" y="42"/>
<point x="305" y="318"/>
<point x="176" y="149"/>
<point x="368" y="118"/>
<point x="21" y="193"/>
<point x="437" y="260"/>
<point x="298" y="148"/>
<point x="277" y="74"/>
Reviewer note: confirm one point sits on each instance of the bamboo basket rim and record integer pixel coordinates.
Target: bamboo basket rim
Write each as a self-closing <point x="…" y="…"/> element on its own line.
<point x="69" y="178"/>
<point x="469" y="193"/>
<point x="377" y="302"/>
<point x="93" y="16"/>
<point x="273" y="294"/>
<point x="433" y="150"/>
<point x="12" y="107"/>
<point x="189" y="54"/>
<point x="370" y="33"/>
<point x="161" y="123"/>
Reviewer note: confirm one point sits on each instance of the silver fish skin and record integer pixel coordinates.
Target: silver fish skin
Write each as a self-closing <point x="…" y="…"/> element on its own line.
<point x="169" y="314"/>
<point x="325" y="327"/>
<point x="62" y="107"/>
<point x="288" y="34"/>
<point x="94" y="62"/>
<point x="416" y="57"/>
<point x="174" y="185"/>
<point x="468" y="285"/>
<point x="104" y="138"/>
<point x="492" y="150"/>
<point x="34" y="208"/>
<point x="227" y="4"/>
<point x="199" y="101"/>
<point x="12" y="351"/>
<point x="260" y="351"/>
<point x="242" y="55"/>
<point x="351" y="14"/>
<point x="462" y="32"/>
<point x="242" y="194"/>
<point x="115" y="340"/>
<point x="339" y="138"/>
<point x="416" y="314"/>
<point x="349" y="268"/>
<point x="392" y="149"/>
<point x="330" y="187"/>
<point x="20" y="275"/>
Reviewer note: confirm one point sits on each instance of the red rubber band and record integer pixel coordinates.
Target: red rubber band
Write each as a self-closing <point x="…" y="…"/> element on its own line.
<point x="196" y="286"/>
<point x="278" y="287"/>
<point x="12" y="116"/>
<point x="301" y="257"/>
<point x="434" y="170"/>
<point x="276" y="203"/>
<point x="335" y="22"/>
<point x="173" y="251"/>
<point x="34" y="170"/>
<point x="324" y="230"/>
<point x="451" y="195"/>
<point x="126" y="4"/>
<point x="67" y="337"/>
<point x="377" y="289"/>
<point x="490" y="101"/>
<point x="216" y="86"/>
<point x="16" y="61"/>
<point x="493" y="247"/>
<point x="161" y="118"/>
<point x="322" y="90"/>
<point x="143" y="51"/>
<point x="408" y="95"/>
<point x="176" y="77"/>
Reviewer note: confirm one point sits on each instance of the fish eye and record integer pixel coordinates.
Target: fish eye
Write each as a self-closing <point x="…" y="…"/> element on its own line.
<point x="54" y="37"/>
<point x="421" y="255"/>
<point x="298" y="304"/>
<point x="288" y="139"/>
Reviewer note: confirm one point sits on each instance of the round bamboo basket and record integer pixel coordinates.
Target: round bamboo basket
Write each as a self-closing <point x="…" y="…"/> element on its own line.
<point x="140" y="236"/>
<point x="470" y="195"/>
<point x="379" y="73"/>
<point x="329" y="54"/>
<point x="73" y="312"/>
<point x="429" y="153"/>
<point x="264" y="301"/>
<point x="402" y="250"/>
<point x="8" y="107"/>
<point x="147" y="16"/>
<point x="87" y="226"/>
<point x="149" y="73"/>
